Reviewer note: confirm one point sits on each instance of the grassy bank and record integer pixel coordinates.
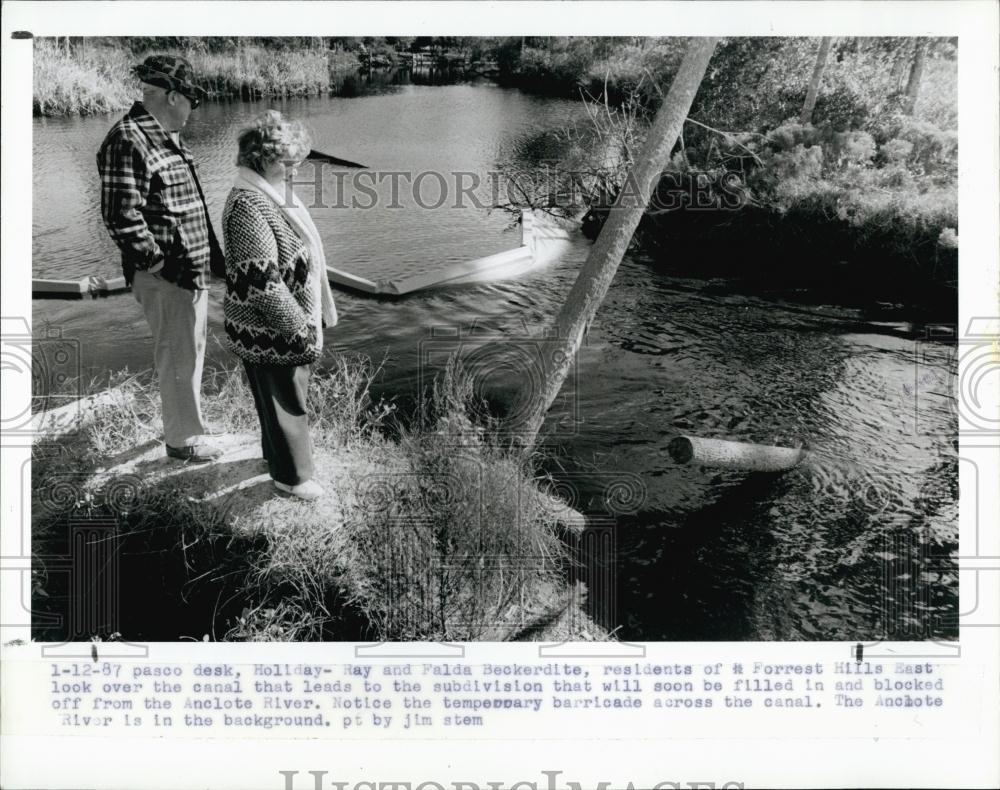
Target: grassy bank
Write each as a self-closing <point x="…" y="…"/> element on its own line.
<point x="86" y="77"/>
<point x="423" y="533"/>
<point x="84" y="82"/>
<point x="860" y="202"/>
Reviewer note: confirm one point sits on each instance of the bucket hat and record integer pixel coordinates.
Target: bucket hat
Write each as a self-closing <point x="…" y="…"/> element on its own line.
<point x="173" y="73"/>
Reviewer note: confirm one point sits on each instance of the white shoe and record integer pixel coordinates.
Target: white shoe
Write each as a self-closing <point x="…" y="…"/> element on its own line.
<point x="310" y="489"/>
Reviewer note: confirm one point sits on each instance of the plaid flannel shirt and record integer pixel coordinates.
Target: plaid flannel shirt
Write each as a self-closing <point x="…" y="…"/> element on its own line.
<point x="153" y="204"/>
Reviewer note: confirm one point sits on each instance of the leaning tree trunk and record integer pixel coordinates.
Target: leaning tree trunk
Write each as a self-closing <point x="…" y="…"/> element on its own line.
<point x="916" y="75"/>
<point x="811" y="95"/>
<point x="595" y="276"/>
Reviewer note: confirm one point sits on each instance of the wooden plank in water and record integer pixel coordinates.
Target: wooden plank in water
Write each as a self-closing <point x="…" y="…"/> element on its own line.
<point x="107" y="285"/>
<point x="60" y="289"/>
<point x="94" y="285"/>
<point x="472" y="271"/>
<point x="509" y="263"/>
<point x="348" y="280"/>
<point x="527" y="230"/>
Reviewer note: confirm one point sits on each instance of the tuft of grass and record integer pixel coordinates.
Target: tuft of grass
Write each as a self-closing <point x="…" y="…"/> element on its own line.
<point x="284" y="621"/>
<point x="343" y="413"/>
<point x="453" y="544"/>
<point x="438" y="537"/>
<point x="82" y="81"/>
<point x="254" y="72"/>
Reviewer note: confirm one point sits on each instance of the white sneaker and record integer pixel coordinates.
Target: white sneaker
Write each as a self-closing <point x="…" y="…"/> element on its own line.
<point x="310" y="489"/>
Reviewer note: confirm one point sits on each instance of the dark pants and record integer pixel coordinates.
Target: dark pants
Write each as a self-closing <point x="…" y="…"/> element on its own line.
<point x="279" y="393"/>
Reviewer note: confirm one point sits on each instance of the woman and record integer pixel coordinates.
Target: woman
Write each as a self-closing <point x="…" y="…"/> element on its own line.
<point x="278" y="298"/>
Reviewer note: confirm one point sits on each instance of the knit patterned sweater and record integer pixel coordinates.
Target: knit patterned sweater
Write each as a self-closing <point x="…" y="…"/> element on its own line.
<point x="270" y="285"/>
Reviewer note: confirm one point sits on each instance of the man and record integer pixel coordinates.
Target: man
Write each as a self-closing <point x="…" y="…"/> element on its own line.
<point x="154" y="208"/>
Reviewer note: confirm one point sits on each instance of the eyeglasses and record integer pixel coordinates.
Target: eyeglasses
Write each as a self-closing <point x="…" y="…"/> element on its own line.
<point x="193" y="100"/>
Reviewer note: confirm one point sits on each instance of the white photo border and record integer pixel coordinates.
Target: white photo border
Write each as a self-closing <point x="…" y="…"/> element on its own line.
<point x="958" y="751"/>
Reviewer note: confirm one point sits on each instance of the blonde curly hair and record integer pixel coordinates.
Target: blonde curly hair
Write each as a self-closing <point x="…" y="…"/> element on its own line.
<point x="271" y="138"/>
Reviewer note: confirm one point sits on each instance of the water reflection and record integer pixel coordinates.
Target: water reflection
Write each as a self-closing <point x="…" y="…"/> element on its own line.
<point x="366" y="82"/>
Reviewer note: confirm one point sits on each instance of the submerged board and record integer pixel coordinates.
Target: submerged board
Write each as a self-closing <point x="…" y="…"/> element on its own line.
<point x="499" y="266"/>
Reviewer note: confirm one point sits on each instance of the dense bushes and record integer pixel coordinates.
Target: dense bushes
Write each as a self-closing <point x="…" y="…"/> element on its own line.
<point x="752" y="83"/>
<point x="865" y="191"/>
<point x="876" y="212"/>
<point x="898" y="195"/>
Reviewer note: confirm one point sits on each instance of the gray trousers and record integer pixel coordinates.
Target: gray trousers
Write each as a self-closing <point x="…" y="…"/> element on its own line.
<point x="279" y="393"/>
<point x="178" y="319"/>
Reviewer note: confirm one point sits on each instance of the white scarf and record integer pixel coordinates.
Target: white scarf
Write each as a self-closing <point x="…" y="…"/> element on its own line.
<point x="304" y="227"/>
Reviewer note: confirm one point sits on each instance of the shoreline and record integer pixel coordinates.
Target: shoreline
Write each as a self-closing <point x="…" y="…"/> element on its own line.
<point x="242" y="563"/>
<point x="97" y="79"/>
<point x="862" y="204"/>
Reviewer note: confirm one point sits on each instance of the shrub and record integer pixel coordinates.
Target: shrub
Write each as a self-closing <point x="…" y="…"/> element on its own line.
<point x="842" y="109"/>
<point x="559" y="67"/>
<point x="948" y="239"/>
<point x="934" y="149"/>
<point x="798" y="163"/>
<point x="461" y="544"/>
<point x="789" y="135"/>
<point x="896" y="151"/>
<point x="851" y="148"/>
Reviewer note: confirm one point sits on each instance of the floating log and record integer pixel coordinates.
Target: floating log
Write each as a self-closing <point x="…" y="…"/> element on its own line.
<point x="723" y="454"/>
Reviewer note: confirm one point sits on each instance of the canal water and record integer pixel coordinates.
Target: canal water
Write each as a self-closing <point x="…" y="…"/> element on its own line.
<point x="858" y="543"/>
